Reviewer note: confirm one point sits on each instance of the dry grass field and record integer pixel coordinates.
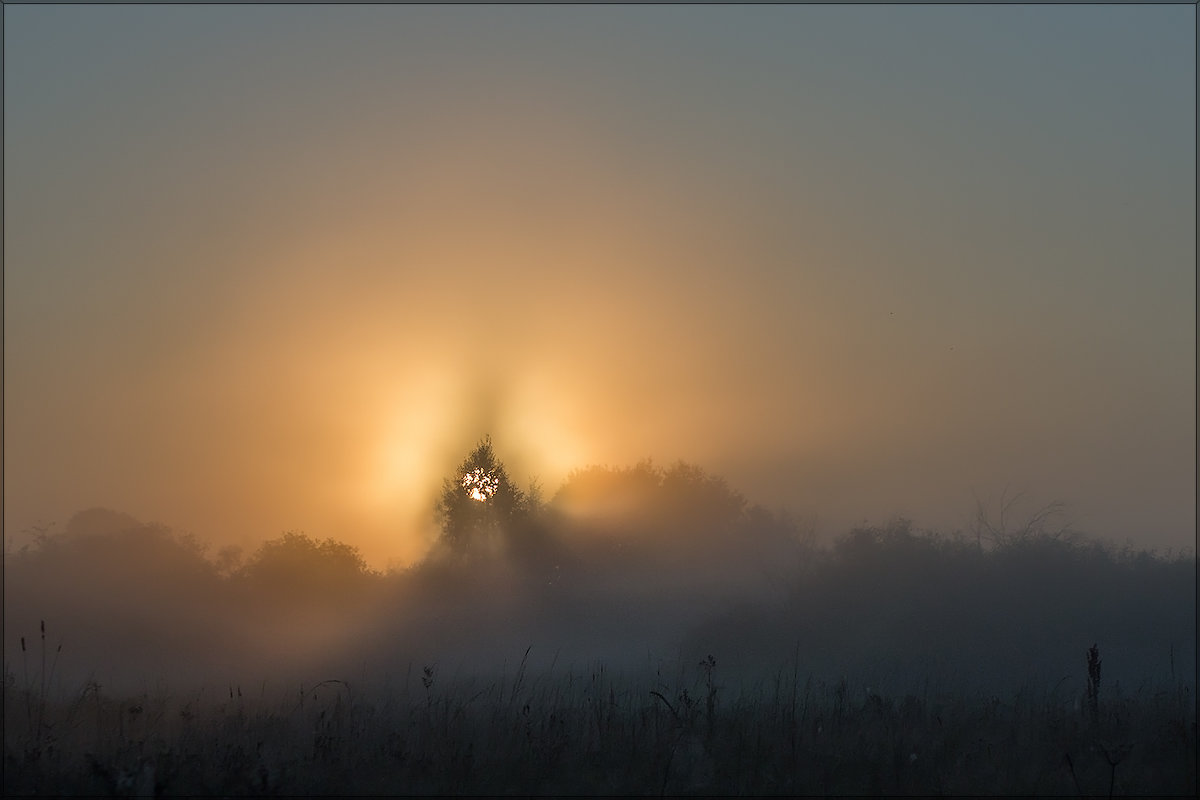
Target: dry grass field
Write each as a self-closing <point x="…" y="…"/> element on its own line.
<point x="597" y="733"/>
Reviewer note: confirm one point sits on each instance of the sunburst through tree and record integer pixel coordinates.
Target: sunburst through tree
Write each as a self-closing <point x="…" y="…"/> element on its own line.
<point x="480" y="505"/>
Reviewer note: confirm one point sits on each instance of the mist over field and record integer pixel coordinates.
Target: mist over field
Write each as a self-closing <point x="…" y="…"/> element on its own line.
<point x="640" y="568"/>
<point x="644" y="627"/>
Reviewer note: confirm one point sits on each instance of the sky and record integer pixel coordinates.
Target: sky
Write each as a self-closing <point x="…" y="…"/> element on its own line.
<point x="279" y="268"/>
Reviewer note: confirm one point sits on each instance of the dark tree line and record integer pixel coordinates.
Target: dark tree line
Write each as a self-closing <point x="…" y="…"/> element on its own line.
<point x="612" y="550"/>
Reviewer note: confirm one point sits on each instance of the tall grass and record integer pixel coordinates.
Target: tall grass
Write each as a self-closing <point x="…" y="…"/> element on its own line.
<point x="569" y="731"/>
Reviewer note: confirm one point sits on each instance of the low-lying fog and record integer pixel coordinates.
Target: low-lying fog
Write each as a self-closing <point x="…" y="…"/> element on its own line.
<point x="641" y="569"/>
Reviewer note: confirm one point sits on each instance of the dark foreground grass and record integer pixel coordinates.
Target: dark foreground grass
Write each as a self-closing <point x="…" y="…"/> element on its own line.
<point x="597" y="733"/>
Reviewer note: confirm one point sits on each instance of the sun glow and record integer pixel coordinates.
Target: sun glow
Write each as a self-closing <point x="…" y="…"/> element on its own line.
<point x="428" y="414"/>
<point x="480" y="485"/>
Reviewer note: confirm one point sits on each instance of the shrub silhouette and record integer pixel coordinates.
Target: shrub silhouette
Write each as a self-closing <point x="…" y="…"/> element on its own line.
<point x="609" y="496"/>
<point x="643" y="497"/>
<point x="121" y="554"/>
<point x="110" y="583"/>
<point x="298" y="564"/>
<point x="299" y="595"/>
<point x="680" y="514"/>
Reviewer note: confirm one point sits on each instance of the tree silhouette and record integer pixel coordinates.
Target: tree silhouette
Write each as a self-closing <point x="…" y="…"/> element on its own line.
<point x="480" y="507"/>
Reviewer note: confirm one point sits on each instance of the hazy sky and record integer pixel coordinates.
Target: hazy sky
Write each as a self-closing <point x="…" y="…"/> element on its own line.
<point x="279" y="267"/>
